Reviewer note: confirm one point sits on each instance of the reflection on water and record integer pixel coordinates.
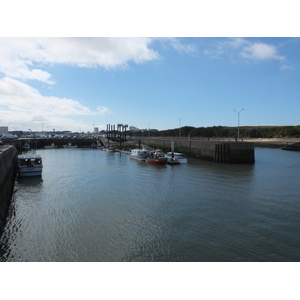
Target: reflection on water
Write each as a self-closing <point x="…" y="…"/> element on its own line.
<point x="91" y="205"/>
<point x="30" y="181"/>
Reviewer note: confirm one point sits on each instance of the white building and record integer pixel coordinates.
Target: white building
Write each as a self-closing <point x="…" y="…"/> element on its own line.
<point x="133" y="128"/>
<point x="3" y="129"/>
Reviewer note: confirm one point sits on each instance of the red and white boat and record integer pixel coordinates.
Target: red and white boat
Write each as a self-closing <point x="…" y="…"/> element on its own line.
<point x="157" y="158"/>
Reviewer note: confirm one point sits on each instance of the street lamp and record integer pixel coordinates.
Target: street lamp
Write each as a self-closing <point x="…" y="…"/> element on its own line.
<point x="180" y="127"/>
<point x="238" y="112"/>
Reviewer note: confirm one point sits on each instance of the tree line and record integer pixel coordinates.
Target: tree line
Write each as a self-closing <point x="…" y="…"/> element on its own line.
<point x="224" y="132"/>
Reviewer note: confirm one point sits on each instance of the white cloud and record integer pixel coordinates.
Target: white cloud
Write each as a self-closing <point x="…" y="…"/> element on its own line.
<point x="236" y="48"/>
<point x="260" y="51"/>
<point x="24" y="58"/>
<point x="102" y="110"/>
<point x="24" y="106"/>
<point x="287" y="67"/>
<point x="182" y="48"/>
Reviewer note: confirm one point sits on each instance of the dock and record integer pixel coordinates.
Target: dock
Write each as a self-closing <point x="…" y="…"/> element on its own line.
<point x="211" y="150"/>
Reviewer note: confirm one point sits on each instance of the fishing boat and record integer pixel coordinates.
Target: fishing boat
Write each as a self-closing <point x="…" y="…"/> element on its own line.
<point x="139" y="154"/>
<point x="157" y="158"/>
<point x="69" y="145"/>
<point x="52" y="146"/>
<point x="177" y="157"/>
<point x="30" y="165"/>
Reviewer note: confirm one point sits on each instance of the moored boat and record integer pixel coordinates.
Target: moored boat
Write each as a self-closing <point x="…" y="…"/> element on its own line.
<point x="110" y="148"/>
<point x="26" y="147"/>
<point x="139" y="154"/>
<point x="52" y="146"/>
<point x="69" y="145"/>
<point x="30" y="165"/>
<point x="157" y="158"/>
<point x="176" y="156"/>
<point x="173" y="161"/>
<point x="96" y="146"/>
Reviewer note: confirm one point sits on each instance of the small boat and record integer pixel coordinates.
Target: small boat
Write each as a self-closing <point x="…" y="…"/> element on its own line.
<point x="176" y="156"/>
<point x="139" y="154"/>
<point x="173" y="161"/>
<point x="30" y="165"/>
<point x="157" y="158"/>
<point x="110" y="148"/>
<point x="95" y="146"/>
<point x="69" y="145"/>
<point x="52" y="146"/>
<point x="26" y="147"/>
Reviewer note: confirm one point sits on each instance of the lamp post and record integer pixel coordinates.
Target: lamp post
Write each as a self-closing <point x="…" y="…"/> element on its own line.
<point x="238" y="112"/>
<point x="180" y="127"/>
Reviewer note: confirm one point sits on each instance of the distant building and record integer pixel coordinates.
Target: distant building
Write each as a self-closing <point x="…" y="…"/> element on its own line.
<point x="96" y="130"/>
<point x="133" y="128"/>
<point x="3" y="129"/>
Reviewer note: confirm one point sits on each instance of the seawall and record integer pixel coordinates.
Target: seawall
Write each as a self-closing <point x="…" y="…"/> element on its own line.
<point x="8" y="156"/>
<point x="217" y="151"/>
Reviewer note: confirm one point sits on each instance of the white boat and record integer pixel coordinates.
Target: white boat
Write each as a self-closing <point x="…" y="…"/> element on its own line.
<point x="52" y="146"/>
<point x="139" y="154"/>
<point x="176" y="156"/>
<point x="30" y="165"/>
<point x="69" y="145"/>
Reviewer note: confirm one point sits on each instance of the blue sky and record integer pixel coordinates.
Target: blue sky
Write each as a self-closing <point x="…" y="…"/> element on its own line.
<point x="77" y="83"/>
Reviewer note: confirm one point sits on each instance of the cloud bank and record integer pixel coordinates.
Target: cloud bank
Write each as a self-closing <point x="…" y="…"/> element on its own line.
<point x="240" y="48"/>
<point x="19" y="57"/>
<point x="25" y="59"/>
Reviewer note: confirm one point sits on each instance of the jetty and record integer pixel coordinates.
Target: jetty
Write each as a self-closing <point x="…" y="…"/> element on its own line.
<point x="211" y="150"/>
<point x="8" y="158"/>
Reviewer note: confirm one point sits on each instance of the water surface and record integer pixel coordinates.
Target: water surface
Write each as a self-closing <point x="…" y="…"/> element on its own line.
<point x="91" y="205"/>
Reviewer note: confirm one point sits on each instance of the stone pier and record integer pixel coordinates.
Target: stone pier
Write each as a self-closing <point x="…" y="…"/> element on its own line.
<point x="8" y="156"/>
<point x="217" y="151"/>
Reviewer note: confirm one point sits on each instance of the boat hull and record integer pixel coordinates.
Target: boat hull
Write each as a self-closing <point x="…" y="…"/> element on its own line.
<point x="178" y="157"/>
<point x="139" y="154"/>
<point x="30" y="172"/>
<point x="137" y="157"/>
<point x="173" y="162"/>
<point x="157" y="161"/>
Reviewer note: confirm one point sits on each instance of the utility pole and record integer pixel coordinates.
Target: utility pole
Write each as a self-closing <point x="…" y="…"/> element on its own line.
<point x="238" y="112"/>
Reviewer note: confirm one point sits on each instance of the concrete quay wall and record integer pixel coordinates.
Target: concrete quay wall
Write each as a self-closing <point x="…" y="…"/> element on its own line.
<point x="217" y="151"/>
<point x="8" y="156"/>
<point x="39" y="143"/>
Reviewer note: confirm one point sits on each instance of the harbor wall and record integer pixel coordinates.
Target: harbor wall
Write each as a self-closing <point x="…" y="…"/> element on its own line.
<point x="39" y="143"/>
<point x="217" y="151"/>
<point x="8" y="156"/>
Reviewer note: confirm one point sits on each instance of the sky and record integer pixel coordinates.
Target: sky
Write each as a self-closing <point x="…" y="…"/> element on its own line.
<point x="159" y="83"/>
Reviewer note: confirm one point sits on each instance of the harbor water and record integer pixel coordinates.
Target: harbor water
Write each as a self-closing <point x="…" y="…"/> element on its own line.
<point x="94" y="206"/>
